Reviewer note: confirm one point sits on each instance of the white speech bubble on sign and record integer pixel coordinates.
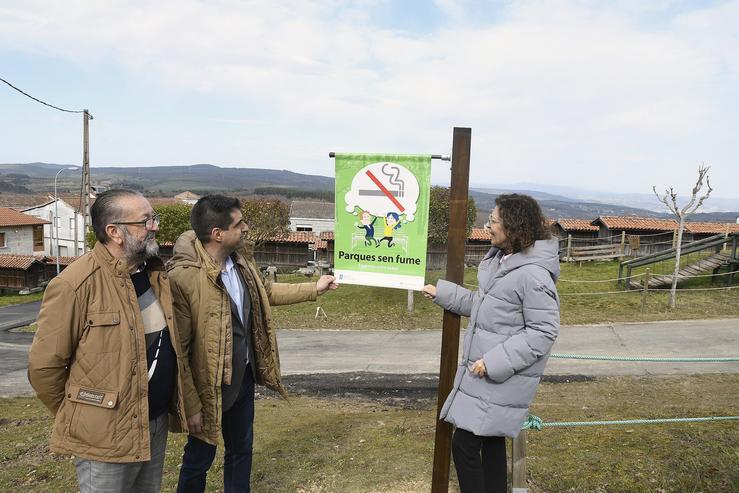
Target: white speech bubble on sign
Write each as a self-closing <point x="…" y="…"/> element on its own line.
<point x="384" y="187"/>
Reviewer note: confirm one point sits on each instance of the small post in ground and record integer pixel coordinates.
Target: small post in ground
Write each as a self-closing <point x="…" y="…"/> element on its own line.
<point x="645" y="291"/>
<point x="623" y="243"/>
<point x="518" y="464"/>
<point x="569" y="248"/>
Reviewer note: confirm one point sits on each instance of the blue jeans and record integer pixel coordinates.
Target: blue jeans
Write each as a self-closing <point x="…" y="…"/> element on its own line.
<point x="140" y="477"/>
<point x="238" y="437"/>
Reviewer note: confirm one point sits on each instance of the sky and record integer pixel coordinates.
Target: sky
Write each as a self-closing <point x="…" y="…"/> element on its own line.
<point x="609" y="95"/>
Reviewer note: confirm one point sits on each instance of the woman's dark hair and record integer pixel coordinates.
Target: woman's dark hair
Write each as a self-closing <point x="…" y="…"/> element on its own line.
<point x="212" y="211"/>
<point x="522" y="219"/>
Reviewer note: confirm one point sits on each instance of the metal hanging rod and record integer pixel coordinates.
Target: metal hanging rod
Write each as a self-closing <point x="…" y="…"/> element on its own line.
<point x="441" y="157"/>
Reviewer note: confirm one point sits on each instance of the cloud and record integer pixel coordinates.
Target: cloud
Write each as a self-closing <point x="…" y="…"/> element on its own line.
<point x="551" y="90"/>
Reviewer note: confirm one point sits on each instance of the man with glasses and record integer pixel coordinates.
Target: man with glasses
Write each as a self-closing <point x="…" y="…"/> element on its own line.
<point x="106" y="356"/>
<point x="222" y="306"/>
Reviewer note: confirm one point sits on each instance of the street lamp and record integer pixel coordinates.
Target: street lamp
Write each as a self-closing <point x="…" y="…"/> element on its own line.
<point x="56" y="215"/>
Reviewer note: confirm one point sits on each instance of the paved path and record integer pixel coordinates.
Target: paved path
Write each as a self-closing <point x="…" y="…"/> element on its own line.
<point x="14" y="347"/>
<point x="412" y="352"/>
<point x="18" y="315"/>
<point x="417" y="352"/>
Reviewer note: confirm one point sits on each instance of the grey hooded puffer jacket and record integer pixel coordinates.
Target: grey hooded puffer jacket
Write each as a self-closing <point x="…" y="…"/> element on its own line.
<point x="514" y="320"/>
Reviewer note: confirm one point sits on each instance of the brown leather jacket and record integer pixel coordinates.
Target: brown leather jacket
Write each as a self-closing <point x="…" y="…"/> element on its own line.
<point x="203" y="313"/>
<point x="87" y="362"/>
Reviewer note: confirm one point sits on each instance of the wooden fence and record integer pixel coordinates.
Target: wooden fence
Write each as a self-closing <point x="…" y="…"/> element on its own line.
<point x="599" y="252"/>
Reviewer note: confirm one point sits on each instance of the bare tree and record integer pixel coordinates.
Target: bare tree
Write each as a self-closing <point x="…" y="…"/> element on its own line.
<point x="670" y="200"/>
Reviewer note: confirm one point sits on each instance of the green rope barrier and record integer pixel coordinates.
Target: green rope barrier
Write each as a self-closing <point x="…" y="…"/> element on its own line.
<point x="646" y="359"/>
<point x="535" y="423"/>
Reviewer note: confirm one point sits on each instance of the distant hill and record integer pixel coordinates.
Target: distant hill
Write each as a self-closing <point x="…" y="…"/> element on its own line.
<point x="560" y="207"/>
<point x="168" y="180"/>
<point x="29" y="178"/>
<point x="206" y="177"/>
<point x="538" y="195"/>
<point x="646" y="200"/>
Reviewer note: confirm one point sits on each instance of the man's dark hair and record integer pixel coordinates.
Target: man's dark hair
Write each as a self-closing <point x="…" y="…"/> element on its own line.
<point x="106" y="210"/>
<point x="212" y="211"/>
<point x="522" y="219"/>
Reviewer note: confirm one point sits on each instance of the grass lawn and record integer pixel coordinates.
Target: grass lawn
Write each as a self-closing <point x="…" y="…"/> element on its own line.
<point x="28" y="328"/>
<point x="360" y="307"/>
<point x="15" y="299"/>
<point x="342" y="445"/>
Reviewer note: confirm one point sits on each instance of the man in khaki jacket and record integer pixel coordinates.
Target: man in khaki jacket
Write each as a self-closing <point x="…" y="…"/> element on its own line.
<point x="222" y="307"/>
<point x="106" y="358"/>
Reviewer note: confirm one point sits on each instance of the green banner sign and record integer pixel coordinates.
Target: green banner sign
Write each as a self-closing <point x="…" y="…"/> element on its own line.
<point x="382" y="207"/>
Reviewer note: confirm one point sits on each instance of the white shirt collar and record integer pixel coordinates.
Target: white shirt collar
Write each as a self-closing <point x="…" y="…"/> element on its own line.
<point x="229" y="266"/>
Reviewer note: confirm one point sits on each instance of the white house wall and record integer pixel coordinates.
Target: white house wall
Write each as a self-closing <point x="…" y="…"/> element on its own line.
<point x="18" y="240"/>
<point x="67" y="215"/>
<point x="316" y="225"/>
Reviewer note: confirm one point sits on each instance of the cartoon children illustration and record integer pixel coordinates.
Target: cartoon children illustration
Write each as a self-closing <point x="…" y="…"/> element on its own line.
<point x="392" y="222"/>
<point x="369" y="228"/>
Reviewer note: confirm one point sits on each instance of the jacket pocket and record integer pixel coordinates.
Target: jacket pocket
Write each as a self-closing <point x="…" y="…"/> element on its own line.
<point x="94" y="416"/>
<point x="102" y="332"/>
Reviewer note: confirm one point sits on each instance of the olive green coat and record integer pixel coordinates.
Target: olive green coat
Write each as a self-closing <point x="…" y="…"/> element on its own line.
<point x="203" y="314"/>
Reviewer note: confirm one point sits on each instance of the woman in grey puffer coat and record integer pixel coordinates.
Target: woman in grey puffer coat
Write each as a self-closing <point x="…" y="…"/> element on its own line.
<point x="514" y="320"/>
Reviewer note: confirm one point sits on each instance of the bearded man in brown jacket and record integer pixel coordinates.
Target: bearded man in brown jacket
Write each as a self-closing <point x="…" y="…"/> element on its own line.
<point x="222" y="307"/>
<point x="106" y="357"/>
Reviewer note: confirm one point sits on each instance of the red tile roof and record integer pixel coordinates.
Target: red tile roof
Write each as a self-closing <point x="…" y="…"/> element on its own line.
<point x="479" y="234"/>
<point x="576" y="225"/>
<point x="636" y="223"/>
<point x="188" y="195"/>
<point x="154" y="201"/>
<point x="295" y="237"/>
<point x="73" y="199"/>
<point x="21" y="201"/>
<point x="21" y="262"/>
<point x="713" y="228"/>
<point x="62" y="260"/>
<point x="11" y="217"/>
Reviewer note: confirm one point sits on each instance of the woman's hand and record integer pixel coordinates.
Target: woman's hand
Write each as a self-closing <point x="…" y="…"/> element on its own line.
<point x="478" y="368"/>
<point x="429" y="291"/>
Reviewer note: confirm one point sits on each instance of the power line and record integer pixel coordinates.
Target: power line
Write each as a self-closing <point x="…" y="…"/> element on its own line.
<point x="42" y="102"/>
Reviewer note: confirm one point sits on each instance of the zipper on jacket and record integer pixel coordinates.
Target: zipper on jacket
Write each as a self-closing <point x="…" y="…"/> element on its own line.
<point x="136" y="361"/>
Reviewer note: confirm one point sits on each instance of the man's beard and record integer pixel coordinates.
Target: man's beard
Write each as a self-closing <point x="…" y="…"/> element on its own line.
<point x="137" y="251"/>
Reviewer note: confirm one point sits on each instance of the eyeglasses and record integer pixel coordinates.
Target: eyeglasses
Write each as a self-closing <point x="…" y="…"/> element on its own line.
<point x="147" y="223"/>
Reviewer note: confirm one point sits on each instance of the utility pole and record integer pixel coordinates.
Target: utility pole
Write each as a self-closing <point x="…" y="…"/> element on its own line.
<point x="86" y="117"/>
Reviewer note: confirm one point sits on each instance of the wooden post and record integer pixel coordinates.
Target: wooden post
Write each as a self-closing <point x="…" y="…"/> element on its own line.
<point x="518" y="464"/>
<point x="86" y="117"/>
<point x="623" y="243"/>
<point x="450" y="329"/>
<point x="410" y="301"/>
<point x="645" y="291"/>
<point x="725" y="245"/>
<point x="569" y="247"/>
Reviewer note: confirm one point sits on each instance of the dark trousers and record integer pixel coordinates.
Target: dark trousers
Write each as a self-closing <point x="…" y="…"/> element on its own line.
<point x="480" y="462"/>
<point x="238" y="437"/>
